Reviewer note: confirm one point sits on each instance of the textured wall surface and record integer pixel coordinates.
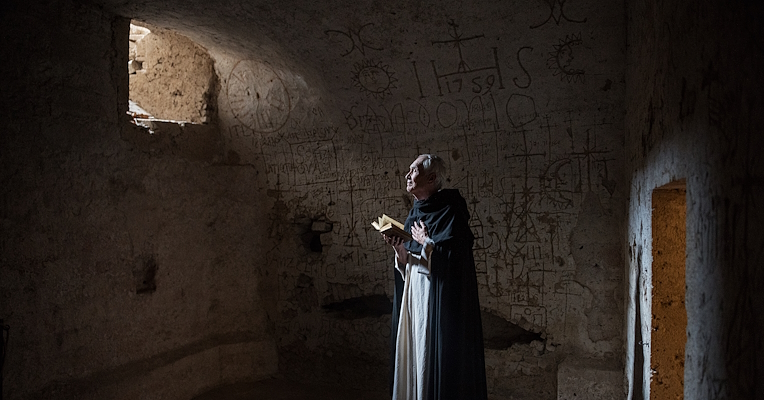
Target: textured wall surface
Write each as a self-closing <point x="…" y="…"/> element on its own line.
<point x="694" y="101"/>
<point x="525" y="105"/>
<point x="244" y="247"/>
<point x="123" y="267"/>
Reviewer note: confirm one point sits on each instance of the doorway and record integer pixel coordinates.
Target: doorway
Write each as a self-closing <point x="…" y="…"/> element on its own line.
<point x="669" y="315"/>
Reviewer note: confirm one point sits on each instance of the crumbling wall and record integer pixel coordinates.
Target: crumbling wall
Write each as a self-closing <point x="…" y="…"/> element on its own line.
<point x="694" y="81"/>
<point x="128" y="267"/>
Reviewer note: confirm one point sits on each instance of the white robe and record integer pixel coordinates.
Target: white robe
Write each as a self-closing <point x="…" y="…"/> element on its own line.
<point x="411" y="352"/>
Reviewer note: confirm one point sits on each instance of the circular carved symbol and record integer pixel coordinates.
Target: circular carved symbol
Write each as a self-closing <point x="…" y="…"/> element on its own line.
<point x="258" y="97"/>
<point x="562" y="58"/>
<point x="375" y="79"/>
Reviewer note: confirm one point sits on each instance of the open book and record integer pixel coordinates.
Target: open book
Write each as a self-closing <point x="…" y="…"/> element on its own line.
<point x="390" y="227"/>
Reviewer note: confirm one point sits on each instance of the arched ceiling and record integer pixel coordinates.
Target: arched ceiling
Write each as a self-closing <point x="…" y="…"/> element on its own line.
<point x="323" y="48"/>
<point x="293" y="32"/>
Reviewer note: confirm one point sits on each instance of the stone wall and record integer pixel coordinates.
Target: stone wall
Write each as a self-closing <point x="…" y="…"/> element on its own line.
<point x="173" y="261"/>
<point x="128" y="268"/>
<point x="141" y="257"/>
<point x="526" y="107"/>
<point x="694" y="95"/>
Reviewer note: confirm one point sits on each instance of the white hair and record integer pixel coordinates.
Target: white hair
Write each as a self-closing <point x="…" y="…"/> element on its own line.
<point x="434" y="164"/>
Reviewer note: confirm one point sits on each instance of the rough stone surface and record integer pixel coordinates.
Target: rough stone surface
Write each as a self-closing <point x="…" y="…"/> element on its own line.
<point x="580" y="379"/>
<point x="524" y="371"/>
<point x="87" y="216"/>
<point x="148" y="258"/>
<point x="252" y="225"/>
<point x="693" y="99"/>
<point x="334" y="131"/>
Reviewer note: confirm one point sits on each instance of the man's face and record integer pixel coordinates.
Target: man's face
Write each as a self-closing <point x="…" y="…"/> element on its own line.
<point x="419" y="184"/>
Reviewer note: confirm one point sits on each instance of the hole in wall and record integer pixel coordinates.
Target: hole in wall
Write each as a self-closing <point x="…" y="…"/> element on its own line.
<point x="669" y="315"/>
<point x="171" y="78"/>
<point x="312" y="231"/>
<point x="315" y="243"/>
<point x="144" y="274"/>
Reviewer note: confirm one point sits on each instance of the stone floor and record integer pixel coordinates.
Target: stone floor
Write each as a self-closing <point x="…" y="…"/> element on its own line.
<point x="280" y="389"/>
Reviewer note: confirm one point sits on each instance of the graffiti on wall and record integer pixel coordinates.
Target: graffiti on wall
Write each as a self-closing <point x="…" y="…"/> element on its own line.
<point x="562" y="59"/>
<point x="557" y="14"/>
<point x="461" y="75"/>
<point x="522" y="165"/>
<point x="258" y="97"/>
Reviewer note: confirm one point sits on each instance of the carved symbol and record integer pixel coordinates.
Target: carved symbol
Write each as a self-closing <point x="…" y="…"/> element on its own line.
<point x="555" y="184"/>
<point x="557" y="13"/>
<point x="458" y="76"/>
<point x="591" y="156"/>
<point x="257" y="96"/>
<point x="521" y="110"/>
<point x="374" y="78"/>
<point x="356" y="41"/>
<point x="523" y="68"/>
<point x="561" y="59"/>
<point x="447" y="116"/>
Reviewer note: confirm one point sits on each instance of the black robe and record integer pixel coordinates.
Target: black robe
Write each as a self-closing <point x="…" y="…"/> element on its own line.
<point x="457" y="359"/>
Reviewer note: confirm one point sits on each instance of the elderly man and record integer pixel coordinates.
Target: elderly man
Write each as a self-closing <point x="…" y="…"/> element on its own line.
<point x="438" y="352"/>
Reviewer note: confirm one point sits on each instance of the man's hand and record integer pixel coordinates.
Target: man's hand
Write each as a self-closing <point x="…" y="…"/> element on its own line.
<point x="397" y="244"/>
<point x="419" y="232"/>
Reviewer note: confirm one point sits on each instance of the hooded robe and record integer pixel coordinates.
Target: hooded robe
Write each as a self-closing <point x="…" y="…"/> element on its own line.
<point x="455" y="356"/>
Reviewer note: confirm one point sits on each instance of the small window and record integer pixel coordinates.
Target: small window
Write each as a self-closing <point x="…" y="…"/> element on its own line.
<point x="171" y="77"/>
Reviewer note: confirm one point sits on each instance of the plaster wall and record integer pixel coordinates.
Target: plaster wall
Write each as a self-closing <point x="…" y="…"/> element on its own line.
<point x="529" y="119"/>
<point x="693" y="100"/>
<point x="257" y="227"/>
<point x="128" y="269"/>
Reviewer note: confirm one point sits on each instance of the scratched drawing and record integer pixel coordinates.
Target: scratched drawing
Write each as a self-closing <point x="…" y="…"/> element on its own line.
<point x="374" y="78"/>
<point x="354" y="39"/>
<point x="258" y="97"/>
<point x="562" y="59"/>
<point x="557" y="14"/>
<point x="462" y="76"/>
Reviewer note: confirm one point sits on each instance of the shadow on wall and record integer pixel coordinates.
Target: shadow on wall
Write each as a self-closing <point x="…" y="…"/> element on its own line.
<point x="498" y="333"/>
<point x="373" y="306"/>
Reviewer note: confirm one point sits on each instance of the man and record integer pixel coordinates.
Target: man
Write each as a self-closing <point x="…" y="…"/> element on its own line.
<point x="438" y="349"/>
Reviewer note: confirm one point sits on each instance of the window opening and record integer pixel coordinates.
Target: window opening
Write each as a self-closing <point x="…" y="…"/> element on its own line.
<point x="171" y="78"/>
